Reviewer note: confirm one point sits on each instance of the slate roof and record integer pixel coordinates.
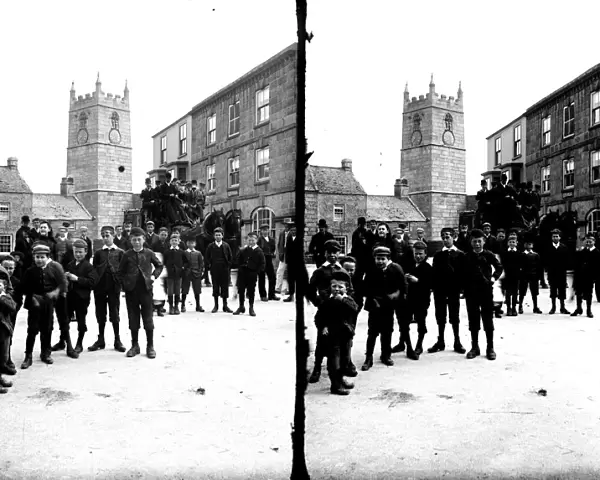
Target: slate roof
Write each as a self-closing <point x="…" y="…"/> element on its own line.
<point x="387" y="208"/>
<point x="12" y="182"/>
<point x="52" y="206"/>
<point x="333" y="180"/>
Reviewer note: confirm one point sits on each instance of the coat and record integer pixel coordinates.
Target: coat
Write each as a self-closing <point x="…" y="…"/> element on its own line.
<point x="133" y="263"/>
<point x="104" y="266"/>
<point x="385" y="288"/>
<point x="86" y="279"/>
<point x="339" y="316"/>
<point x="175" y="262"/>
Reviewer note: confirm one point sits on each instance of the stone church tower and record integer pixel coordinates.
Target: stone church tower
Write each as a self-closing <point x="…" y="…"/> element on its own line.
<point x="99" y="156"/>
<point x="433" y="157"/>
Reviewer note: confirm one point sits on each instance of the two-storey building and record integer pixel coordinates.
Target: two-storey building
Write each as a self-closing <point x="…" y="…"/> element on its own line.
<point x="506" y="152"/>
<point x="171" y="149"/>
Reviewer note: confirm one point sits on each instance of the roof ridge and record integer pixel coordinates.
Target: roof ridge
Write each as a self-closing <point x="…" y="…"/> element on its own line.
<point x="83" y="206"/>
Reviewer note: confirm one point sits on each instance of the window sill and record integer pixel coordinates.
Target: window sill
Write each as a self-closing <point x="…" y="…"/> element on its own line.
<point x="233" y="135"/>
<point x="593" y="127"/>
<point x="262" y="124"/>
<point x="517" y="157"/>
<point x="567" y="189"/>
<point x="545" y="194"/>
<point x="262" y="181"/>
<point x="595" y="184"/>
<point x="233" y="187"/>
<point x="211" y="144"/>
<point x="568" y="137"/>
<point x="212" y="192"/>
<point x="182" y="155"/>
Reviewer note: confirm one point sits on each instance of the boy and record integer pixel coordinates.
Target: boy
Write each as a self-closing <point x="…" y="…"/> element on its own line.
<point x="251" y="261"/>
<point x="478" y="293"/>
<point x="107" y="291"/>
<point x="385" y="286"/>
<point x="267" y="245"/>
<point x="557" y="259"/>
<point x="512" y="261"/>
<point x="176" y="263"/>
<point x="336" y="319"/>
<point x="193" y="274"/>
<point x="160" y="243"/>
<point x="9" y="264"/>
<point x="356" y="292"/>
<point x="218" y="261"/>
<point x="82" y="280"/>
<point x="530" y="275"/>
<point x="7" y="308"/>
<point x="42" y="285"/>
<point x="448" y="277"/>
<point x="418" y="299"/>
<point x="137" y="275"/>
<point x="587" y="266"/>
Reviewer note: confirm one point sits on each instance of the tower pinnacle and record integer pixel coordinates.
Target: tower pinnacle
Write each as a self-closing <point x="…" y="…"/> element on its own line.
<point x="406" y="97"/>
<point x="73" y="97"/>
<point x="460" y="92"/>
<point x="126" y="92"/>
<point x="98" y="86"/>
<point x="431" y="86"/>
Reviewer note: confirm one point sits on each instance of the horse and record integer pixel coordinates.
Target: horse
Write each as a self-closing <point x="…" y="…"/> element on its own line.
<point x="232" y="227"/>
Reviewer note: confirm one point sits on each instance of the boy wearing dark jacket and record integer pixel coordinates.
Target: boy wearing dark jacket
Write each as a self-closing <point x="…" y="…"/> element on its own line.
<point x="251" y="261"/>
<point x="7" y="308"/>
<point x="218" y="260"/>
<point x="557" y="259"/>
<point x="356" y="292"/>
<point x="176" y="264"/>
<point x="587" y="266"/>
<point x="512" y="260"/>
<point x="530" y="275"/>
<point x="193" y="274"/>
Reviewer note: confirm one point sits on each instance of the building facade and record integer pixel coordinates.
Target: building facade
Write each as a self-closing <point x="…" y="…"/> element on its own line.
<point x="433" y="157"/>
<point x="563" y="149"/>
<point x="172" y="151"/>
<point x="506" y="152"/>
<point x="99" y="155"/>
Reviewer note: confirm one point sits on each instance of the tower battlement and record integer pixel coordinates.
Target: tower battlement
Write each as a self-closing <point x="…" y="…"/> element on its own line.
<point x="433" y="99"/>
<point x="98" y="97"/>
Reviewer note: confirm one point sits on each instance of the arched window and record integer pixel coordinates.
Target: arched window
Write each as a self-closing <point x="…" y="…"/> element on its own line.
<point x="417" y="123"/>
<point x="114" y="120"/>
<point x="83" y="118"/>
<point x="448" y="121"/>
<point x="593" y="221"/>
<point x="263" y="215"/>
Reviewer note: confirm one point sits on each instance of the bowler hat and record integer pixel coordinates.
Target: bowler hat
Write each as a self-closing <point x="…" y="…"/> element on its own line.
<point x="402" y="225"/>
<point x="66" y="224"/>
<point x="362" y="220"/>
<point x="265" y="225"/>
<point x="332" y="246"/>
<point x="194" y="182"/>
<point x="25" y="219"/>
<point x="322" y="223"/>
<point x="382" y="251"/>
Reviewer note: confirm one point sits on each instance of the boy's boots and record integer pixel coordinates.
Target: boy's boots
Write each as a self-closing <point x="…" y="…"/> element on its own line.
<point x="438" y="346"/>
<point x="226" y="309"/>
<point x="386" y="348"/>
<point x="563" y="310"/>
<point x="242" y="308"/>
<point x="419" y="346"/>
<point x="135" y="346"/>
<point x="553" y="309"/>
<point x="337" y="387"/>
<point x="176" y="306"/>
<point x="198" y="307"/>
<point x="251" y="309"/>
<point x="458" y="348"/>
<point x="410" y="353"/>
<point x="79" y="344"/>
<point x="489" y="353"/>
<point x="216" y="307"/>
<point x="150" y="352"/>
<point x="119" y="347"/>
<point x="399" y="348"/>
<point x="28" y="360"/>
<point x="183" y="303"/>
<point x="171" y="309"/>
<point x="474" y="352"/>
<point x="369" y="355"/>
<point x="71" y="353"/>
<point x="589" y="308"/>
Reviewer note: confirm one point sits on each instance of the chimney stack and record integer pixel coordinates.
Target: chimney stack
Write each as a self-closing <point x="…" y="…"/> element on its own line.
<point x="347" y="165"/>
<point x="67" y="187"/>
<point x="13" y="163"/>
<point x="401" y="188"/>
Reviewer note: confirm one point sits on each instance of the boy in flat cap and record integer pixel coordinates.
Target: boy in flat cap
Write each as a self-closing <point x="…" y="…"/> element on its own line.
<point x="479" y="279"/>
<point x="251" y="261"/>
<point x="512" y="260"/>
<point x="336" y="320"/>
<point x="267" y="245"/>
<point x="138" y="270"/>
<point x="218" y="260"/>
<point x="107" y="291"/>
<point x="176" y="264"/>
<point x="385" y="286"/>
<point x="557" y="260"/>
<point x="193" y="274"/>
<point x="42" y="285"/>
<point x="448" y="280"/>
<point x="530" y="275"/>
<point x="319" y="290"/>
<point x="355" y="290"/>
<point x="587" y="269"/>
<point x="82" y="279"/>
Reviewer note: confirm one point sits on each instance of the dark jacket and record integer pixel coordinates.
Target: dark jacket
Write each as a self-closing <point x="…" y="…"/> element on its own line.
<point x="86" y="279"/>
<point x="448" y="270"/>
<point x="587" y="267"/>
<point x="135" y="263"/>
<point x="513" y="264"/>
<point x="160" y="246"/>
<point x="175" y="262"/>
<point x="385" y="288"/>
<point x="463" y="242"/>
<point x="37" y="283"/>
<point x="360" y="247"/>
<point x="419" y="293"/>
<point x="8" y="308"/>
<point x="557" y="260"/>
<point x="293" y="251"/>
<point x="212" y="258"/>
<point x="532" y="264"/>
<point x="195" y="264"/>
<point x="317" y="246"/>
<point x="107" y="263"/>
<point x="252" y="260"/>
<point x="320" y="282"/>
<point x="267" y="246"/>
<point x="479" y="271"/>
<point x="339" y="316"/>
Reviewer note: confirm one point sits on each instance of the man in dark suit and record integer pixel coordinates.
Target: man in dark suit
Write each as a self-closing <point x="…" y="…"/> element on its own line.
<point x="23" y="228"/>
<point x="83" y="233"/>
<point x="137" y="276"/>
<point x="317" y="243"/>
<point x="168" y="196"/>
<point x="267" y="245"/>
<point x="107" y="289"/>
<point x="148" y="202"/>
<point x="557" y="260"/>
<point x="293" y="260"/>
<point x="251" y="261"/>
<point x="360" y="248"/>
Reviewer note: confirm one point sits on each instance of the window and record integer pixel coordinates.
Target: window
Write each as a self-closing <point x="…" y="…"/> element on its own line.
<point x="595" y="108"/>
<point x="569" y="173"/>
<point x="4" y="211"/>
<point x="5" y="243"/>
<point x="182" y="139"/>
<point x="546" y="131"/>
<point x="545" y="176"/>
<point x="569" y="120"/>
<point x="448" y="119"/>
<point x="593" y="222"/>
<point x="211" y="129"/>
<point x="234" y="119"/>
<point x="338" y="213"/>
<point x="343" y="243"/>
<point x="262" y="105"/>
<point x="163" y="150"/>
<point x="114" y="120"/>
<point x="234" y="171"/>
<point x="595" y="166"/>
<point x="181" y="173"/>
<point x="211" y="180"/>
<point x="498" y="150"/>
<point x="83" y="120"/>
<point x="517" y="141"/>
<point x="264" y="215"/>
<point x="262" y="164"/>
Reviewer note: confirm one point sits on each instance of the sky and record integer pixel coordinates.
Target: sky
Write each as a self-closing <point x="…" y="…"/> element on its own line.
<point x="175" y="53"/>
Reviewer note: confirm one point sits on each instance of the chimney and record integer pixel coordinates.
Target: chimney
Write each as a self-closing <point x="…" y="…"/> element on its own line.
<point x="13" y="163"/>
<point x="347" y="165"/>
<point x="67" y="187"/>
<point x="401" y="188"/>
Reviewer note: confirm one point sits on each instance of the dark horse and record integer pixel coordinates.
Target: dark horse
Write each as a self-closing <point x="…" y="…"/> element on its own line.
<point x="233" y="232"/>
<point x="566" y="222"/>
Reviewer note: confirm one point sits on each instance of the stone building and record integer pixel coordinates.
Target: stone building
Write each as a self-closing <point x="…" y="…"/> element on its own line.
<point x="241" y="143"/>
<point x="563" y="148"/>
<point x="506" y="152"/>
<point x="99" y="156"/>
<point x="433" y="157"/>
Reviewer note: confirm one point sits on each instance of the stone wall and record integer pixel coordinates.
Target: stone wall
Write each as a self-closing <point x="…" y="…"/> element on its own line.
<point x="19" y="204"/>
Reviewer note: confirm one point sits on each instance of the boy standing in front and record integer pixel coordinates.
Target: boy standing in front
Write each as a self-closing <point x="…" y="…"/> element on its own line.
<point x="193" y="274"/>
<point x="218" y="260"/>
<point x="176" y="263"/>
<point x="530" y="275"/>
<point x="512" y="261"/>
<point x="587" y="266"/>
<point x="139" y="268"/>
<point x="557" y="259"/>
<point x="251" y="261"/>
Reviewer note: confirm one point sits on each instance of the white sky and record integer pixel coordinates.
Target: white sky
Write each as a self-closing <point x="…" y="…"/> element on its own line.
<point x="175" y="53"/>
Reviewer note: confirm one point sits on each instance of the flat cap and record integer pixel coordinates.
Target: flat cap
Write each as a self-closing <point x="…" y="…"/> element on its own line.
<point x="40" y="248"/>
<point x="341" y="276"/>
<point x="419" y="245"/>
<point x="590" y="235"/>
<point x="107" y="228"/>
<point x="137" y="232"/>
<point x="556" y="231"/>
<point x="149" y="222"/>
<point x="218" y="230"/>
<point x="447" y="230"/>
<point x="476" y="233"/>
<point x="332" y="246"/>
<point x="79" y="243"/>
<point x="382" y="251"/>
<point x="486" y="224"/>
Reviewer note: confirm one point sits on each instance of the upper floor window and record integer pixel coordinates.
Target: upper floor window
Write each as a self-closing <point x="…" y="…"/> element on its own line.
<point x="211" y="179"/>
<point x="498" y="151"/>
<point x="83" y="118"/>
<point x="595" y="107"/>
<point x="595" y="166"/>
<point x="569" y="120"/>
<point x="593" y="221"/>
<point x="262" y="164"/>
<point x="517" y="141"/>
<point x="569" y="173"/>
<point x="114" y="120"/>
<point x="546" y="124"/>
<point x="545" y="176"/>
<point x="5" y="243"/>
<point x="4" y="211"/>
<point x="262" y="105"/>
<point x="234" y="171"/>
<point x="338" y="213"/>
<point x="163" y="149"/>
<point x="234" y="119"/>
<point x="449" y="120"/>
<point x="183" y="139"/>
<point x="211" y="129"/>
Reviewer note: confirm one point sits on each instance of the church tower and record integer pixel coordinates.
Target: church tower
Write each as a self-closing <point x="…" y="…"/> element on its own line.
<point x="99" y="155"/>
<point x="433" y="157"/>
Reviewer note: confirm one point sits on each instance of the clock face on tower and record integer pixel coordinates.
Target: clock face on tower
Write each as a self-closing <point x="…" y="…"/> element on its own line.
<point x="416" y="138"/>
<point x="448" y="138"/>
<point x="82" y="136"/>
<point x="114" y="136"/>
